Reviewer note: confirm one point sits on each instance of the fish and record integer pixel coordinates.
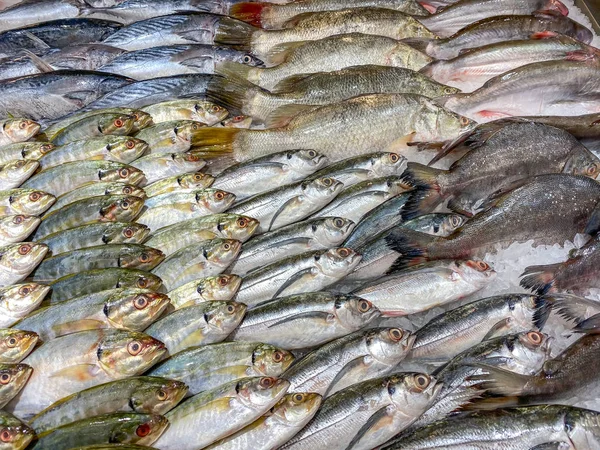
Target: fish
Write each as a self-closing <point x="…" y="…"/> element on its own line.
<point x="471" y="70"/>
<point x="16" y="433"/>
<point x="158" y="166"/>
<point x="18" y="300"/>
<point x="240" y="121"/>
<point x="169" y="137"/>
<point x="461" y="328"/>
<point x="59" y="180"/>
<point x="96" y="189"/>
<point x="21" y="201"/>
<point x="288" y="204"/>
<point x="310" y="235"/>
<point x="242" y="402"/>
<point x="455" y="17"/>
<point x="307" y="272"/>
<point x="225" y="226"/>
<point x="306" y="320"/>
<point x="95" y="234"/>
<point x="18" y="260"/>
<point x="16" y="344"/>
<point x="436" y="224"/>
<point x="140" y="394"/>
<point x="501" y="28"/>
<point x="12" y="379"/>
<point x="54" y="94"/>
<point x="199" y="110"/>
<point x="91" y="281"/>
<point x="517" y="216"/>
<point x="356" y="201"/>
<point x="221" y="287"/>
<point x="170" y="60"/>
<point x="17" y="227"/>
<point x="269" y="172"/>
<point x="205" y="323"/>
<point x="128" y="256"/>
<point x="180" y="183"/>
<point x="577" y="93"/>
<point x="426" y="286"/>
<point x="24" y="150"/>
<point x="106" y="428"/>
<point x="398" y="119"/>
<point x="33" y="12"/>
<point x="14" y="173"/>
<point x="123" y="149"/>
<point x="356" y="357"/>
<point x="173" y="207"/>
<point x="126" y="309"/>
<point x="68" y="364"/>
<point x="96" y="125"/>
<point x="209" y="366"/>
<point x="102" y="208"/>
<point x="17" y="130"/>
<point x="207" y="258"/>
<point x="369" y="413"/>
<point x="518" y="151"/>
<point x="272" y="430"/>
<point x="304" y="58"/>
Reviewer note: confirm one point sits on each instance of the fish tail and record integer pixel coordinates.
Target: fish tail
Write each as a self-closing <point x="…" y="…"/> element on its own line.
<point x="421" y="176"/>
<point x="217" y="141"/>
<point x="234" y="71"/>
<point x="420" y="44"/>
<point x="543" y="308"/>
<point x="591" y="325"/>
<point x="250" y="12"/>
<point x="235" y="33"/>
<point x="539" y="279"/>
<point x="233" y="93"/>
<point x="492" y="403"/>
<point x="428" y="69"/>
<point x="501" y="381"/>
<point x="427" y="194"/>
<point x="411" y="245"/>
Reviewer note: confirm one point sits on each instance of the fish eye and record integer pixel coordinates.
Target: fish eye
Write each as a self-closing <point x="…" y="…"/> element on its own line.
<point x="18" y="219"/>
<point x="143" y="430"/>
<point x="327" y="181"/>
<point x="144" y="257"/>
<point x="394" y="157"/>
<point x="12" y="342"/>
<point x="134" y="348"/>
<point x="118" y="123"/>
<point x="364" y="305"/>
<point x="592" y="169"/>
<point x="142" y="283"/>
<point x="20" y="163"/>
<point x="448" y="91"/>
<point x="24" y="249"/>
<point x="535" y="337"/>
<point x="396" y="334"/>
<point x="483" y="266"/>
<point x="5" y="378"/>
<point x="25" y="290"/>
<point x="278" y="356"/>
<point x="344" y="252"/>
<point x="230" y="309"/>
<point x="127" y="190"/>
<point x="242" y="222"/>
<point x="223" y="281"/>
<point x="128" y="232"/>
<point x="464" y="121"/>
<point x="130" y="144"/>
<point x="6" y="435"/>
<point x="46" y="148"/>
<point x="312" y="153"/>
<point x="422" y="381"/>
<point x="162" y="395"/>
<point x="238" y="118"/>
<point x="298" y="398"/>
<point x="220" y="195"/>
<point x="35" y="196"/>
<point x="124" y="173"/>
<point x="125" y="204"/>
<point x="195" y="126"/>
<point x="215" y="108"/>
<point x="338" y="222"/>
<point x="140" y="302"/>
<point x="198" y="176"/>
<point x="267" y="382"/>
<point x="454" y="221"/>
<point x="23" y="124"/>
<point x="247" y="59"/>
<point x="193" y="157"/>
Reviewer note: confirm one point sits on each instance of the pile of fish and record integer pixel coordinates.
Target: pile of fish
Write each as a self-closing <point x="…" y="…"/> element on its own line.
<point x="237" y="225"/>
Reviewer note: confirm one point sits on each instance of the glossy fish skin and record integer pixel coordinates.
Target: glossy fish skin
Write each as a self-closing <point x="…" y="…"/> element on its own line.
<point x="288" y="204"/>
<point x="206" y="323"/>
<point x="17" y="130"/>
<point x="272" y="430"/>
<point x="96" y="125"/>
<point x="306" y="320"/>
<point x="51" y="95"/>
<point x="24" y="201"/>
<point x="359" y="356"/>
<point x="16" y="228"/>
<point x="308" y="272"/>
<point x="173" y="207"/>
<point x="101" y="188"/>
<point x="18" y="300"/>
<point x="81" y="360"/>
<point x="241" y="403"/>
<point x="127" y="309"/>
<point x="127" y="256"/>
<point x="163" y="165"/>
<point x="96" y="234"/>
<point x="180" y="183"/>
<point x="18" y="260"/>
<point x="169" y="137"/>
<point x="202" y="111"/>
<point x="15" y="344"/>
<point x="14" y="173"/>
<point x="225" y="226"/>
<point x="294" y="239"/>
<point x="436" y="224"/>
<point x="209" y="366"/>
<point x="369" y="413"/>
<point x="103" y="208"/>
<point x="216" y="288"/>
<point x="33" y="12"/>
<point x="98" y="280"/>
<point x="195" y="261"/>
<point x="123" y="149"/>
<point x="145" y="395"/>
<point x="269" y="172"/>
<point x="24" y="150"/>
<point x="13" y="377"/>
<point x="19" y="434"/>
<point x="106" y="428"/>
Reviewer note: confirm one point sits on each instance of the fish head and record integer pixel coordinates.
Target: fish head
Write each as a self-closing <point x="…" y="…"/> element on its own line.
<point x="141" y="258"/>
<point x="157" y="395"/>
<point x="555" y="5"/>
<point x="189" y="161"/>
<point x="214" y="200"/>
<point x="20" y="130"/>
<point x="186" y="129"/>
<point x="196" y="180"/>
<point x="239" y="121"/>
<point x="139" y="279"/>
<point x="582" y="33"/>
<point x="337" y="262"/>
<point x="18" y="170"/>
<point x="125" y="233"/>
<point x="403" y="55"/>
<point x="240" y="57"/>
<point x="451" y="222"/>
<point x="354" y="313"/>
<point x="332" y="231"/>
<point x="120" y="124"/>
<point x="123" y="354"/>
<point x="322" y="189"/>
<point x="297" y="408"/>
<point x="19" y="299"/>
<point x="528" y="352"/>
<point x="271" y="361"/>
<point x="118" y="188"/>
<point x="23" y="257"/>
<point x="257" y="392"/>
<point x="18" y="227"/>
<point x="135" y="309"/>
<point x="14" y="376"/>
<point x="305" y="162"/>
<point x="582" y="162"/>
<point x="222" y="252"/>
<point x="412" y="393"/>
<point x="218" y="288"/>
<point x="122" y="173"/>
<point x="475" y="272"/>
<point x="238" y="227"/>
<point x="122" y="208"/>
<point x="126" y="148"/>
<point x="416" y="29"/>
<point x="208" y="112"/>
<point x="15" y="345"/>
<point x="386" y="164"/>
<point x="224" y="316"/>
<point x="582" y="427"/>
<point x="29" y="201"/>
<point x="141" y="119"/>
<point x="35" y="150"/>
<point x="389" y="345"/>
<point x="141" y="429"/>
<point x="437" y="123"/>
<point x="14" y="434"/>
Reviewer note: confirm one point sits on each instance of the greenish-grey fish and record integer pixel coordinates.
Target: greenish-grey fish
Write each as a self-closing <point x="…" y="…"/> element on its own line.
<point x="16" y="344"/>
<point x="12" y="379"/>
<point x="164" y="165"/>
<point x="16" y="228"/>
<point x="436" y="224"/>
<point x="25" y="150"/>
<point x="18" y="300"/>
<point x="96" y="189"/>
<point x="24" y="201"/>
<point x="18" y="260"/>
<point x="201" y="111"/>
<point x="180" y="183"/>
<point x="97" y="125"/>
<point x="19" y="434"/>
<point x="216" y="288"/>
<point x="14" y="173"/>
<point x="17" y="130"/>
<point x="170" y="137"/>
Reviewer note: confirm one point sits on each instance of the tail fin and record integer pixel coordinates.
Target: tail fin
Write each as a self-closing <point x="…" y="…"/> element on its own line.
<point x="235" y="33"/>
<point x="421" y="176"/>
<point x="492" y="403"/>
<point x="591" y="325"/>
<point x="231" y="92"/>
<point x="543" y="308"/>
<point x="573" y="308"/>
<point x="279" y="53"/>
<point x="411" y="245"/>
<point x="250" y="12"/>
<point x="502" y="381"/>
<point x="427" y="194"/>
<point x="420" y="44"/>
<point x="428" y="69"/>
<point x="215" y="140"/>
<point x="539" y="279"/>
<point x="234" y="70"/>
